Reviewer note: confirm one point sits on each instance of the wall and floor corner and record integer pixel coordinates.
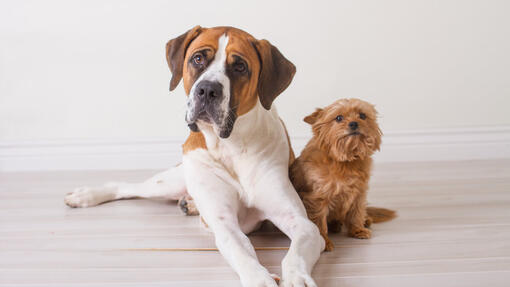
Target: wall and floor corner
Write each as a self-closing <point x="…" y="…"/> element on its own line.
<point x="84" y="84"/>
<point x="161" y="153"/>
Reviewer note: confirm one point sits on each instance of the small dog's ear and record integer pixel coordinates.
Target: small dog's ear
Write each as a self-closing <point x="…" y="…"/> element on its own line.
<point x="312" y="118"/>
<point x="276" y="72"/>
<point x="175" y="52"/>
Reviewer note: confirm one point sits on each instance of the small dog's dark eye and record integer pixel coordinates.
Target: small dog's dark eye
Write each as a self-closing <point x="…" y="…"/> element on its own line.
<point x="362" y="116"/>
<point x="339" y="118"/>
<point x="198" y="59"/>
<point x="240" y="67"/>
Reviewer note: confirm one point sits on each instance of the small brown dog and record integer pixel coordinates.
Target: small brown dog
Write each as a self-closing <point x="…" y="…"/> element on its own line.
<point x="332" y="173"/>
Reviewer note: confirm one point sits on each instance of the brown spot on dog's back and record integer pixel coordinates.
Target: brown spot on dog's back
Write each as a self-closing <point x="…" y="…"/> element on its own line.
<point x="194" y="141"/>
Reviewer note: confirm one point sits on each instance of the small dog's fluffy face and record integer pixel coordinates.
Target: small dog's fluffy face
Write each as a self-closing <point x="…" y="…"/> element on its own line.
<point x="347" y="129"/>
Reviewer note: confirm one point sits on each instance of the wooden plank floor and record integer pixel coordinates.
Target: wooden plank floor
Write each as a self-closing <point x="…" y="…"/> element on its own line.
<point x="453" y="229"/>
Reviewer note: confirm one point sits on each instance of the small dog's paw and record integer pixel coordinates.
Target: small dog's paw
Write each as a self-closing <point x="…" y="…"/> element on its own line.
<point x="83" y="197"/>
<point x="360" y="233"/>
<point x="329" y="245"/>
<point x="188" y="206"/>
<point x="368" y="222"/>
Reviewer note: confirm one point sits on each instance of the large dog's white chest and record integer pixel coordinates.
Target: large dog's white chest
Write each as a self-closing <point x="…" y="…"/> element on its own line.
<point x="257" y="143"/>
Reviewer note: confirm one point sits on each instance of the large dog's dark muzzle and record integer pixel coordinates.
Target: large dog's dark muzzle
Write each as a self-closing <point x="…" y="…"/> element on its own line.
<point x="207" y="106"/>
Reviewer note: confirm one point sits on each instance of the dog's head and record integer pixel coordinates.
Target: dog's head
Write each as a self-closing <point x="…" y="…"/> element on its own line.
<point x="346" y="129"/>
<point x="225" y="71"/>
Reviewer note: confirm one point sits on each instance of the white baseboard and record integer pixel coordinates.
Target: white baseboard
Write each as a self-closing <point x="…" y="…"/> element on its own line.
<point x="436" y="145"/>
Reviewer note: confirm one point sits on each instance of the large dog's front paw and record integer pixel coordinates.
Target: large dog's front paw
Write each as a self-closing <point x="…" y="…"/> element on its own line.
<point x="260" y="279"/>
<point x="85" y="197"/>
<point x="295" y="274"/>
<point x="297" y="279"/>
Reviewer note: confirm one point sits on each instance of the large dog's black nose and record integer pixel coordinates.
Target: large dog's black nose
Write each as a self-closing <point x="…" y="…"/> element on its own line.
<point x="353" y="125"/>
<point x="209" y="90"/>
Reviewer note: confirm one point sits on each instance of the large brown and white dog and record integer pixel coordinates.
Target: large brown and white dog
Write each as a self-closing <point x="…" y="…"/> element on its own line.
<point x="236" y="159"/>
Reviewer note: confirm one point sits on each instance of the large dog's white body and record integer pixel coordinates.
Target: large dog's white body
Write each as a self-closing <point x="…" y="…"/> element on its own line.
<point x="236" y="183"/>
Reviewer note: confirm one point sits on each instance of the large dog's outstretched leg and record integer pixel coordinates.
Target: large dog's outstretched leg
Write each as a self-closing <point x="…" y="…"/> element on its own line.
<point x="306" y="242"/>
<point x="216" y="195"/>
<point x="166" y="185"/>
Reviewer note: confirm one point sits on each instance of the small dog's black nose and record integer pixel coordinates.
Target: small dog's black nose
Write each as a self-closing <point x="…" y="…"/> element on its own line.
<point x="353" y="125"/>
<point x="209" y="90"/>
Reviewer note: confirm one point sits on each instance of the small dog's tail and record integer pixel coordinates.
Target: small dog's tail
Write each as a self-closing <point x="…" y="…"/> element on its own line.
<point x="378" y="214"/>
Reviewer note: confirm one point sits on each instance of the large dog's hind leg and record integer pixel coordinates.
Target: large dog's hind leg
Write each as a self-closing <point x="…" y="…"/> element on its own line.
<point x="166" y="185"/>
<point x="216" y="195"/>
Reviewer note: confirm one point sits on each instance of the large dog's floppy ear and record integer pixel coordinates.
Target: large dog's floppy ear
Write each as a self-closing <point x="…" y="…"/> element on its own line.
<point x="175" y="52"/>
<point x="276" y="72"/>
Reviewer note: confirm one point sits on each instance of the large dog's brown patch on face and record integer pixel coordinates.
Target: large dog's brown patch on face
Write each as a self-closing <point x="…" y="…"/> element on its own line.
<point x="242" y="64"/>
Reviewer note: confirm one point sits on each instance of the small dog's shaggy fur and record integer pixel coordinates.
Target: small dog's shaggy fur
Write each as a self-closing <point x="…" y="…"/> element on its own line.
<point x="332" y="173"/>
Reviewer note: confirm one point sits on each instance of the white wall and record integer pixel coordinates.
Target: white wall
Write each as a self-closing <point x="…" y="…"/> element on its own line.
<point x="97" y="70"/>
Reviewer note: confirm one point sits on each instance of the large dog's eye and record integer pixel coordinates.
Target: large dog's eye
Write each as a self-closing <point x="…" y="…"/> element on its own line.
<point x="362" y="116"/>
<point x="339" y="118"/>
<point x="198" y="59"/>
<point x="240" y="67"/>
